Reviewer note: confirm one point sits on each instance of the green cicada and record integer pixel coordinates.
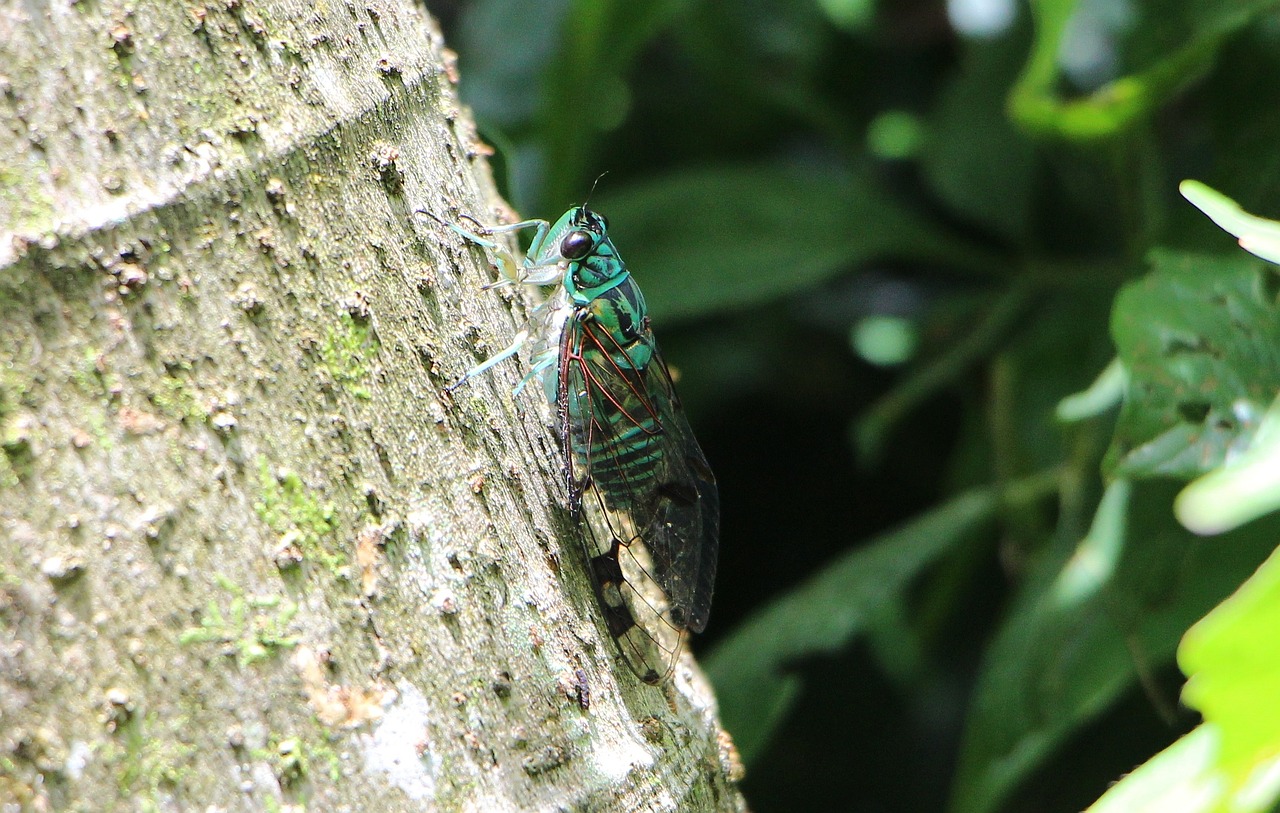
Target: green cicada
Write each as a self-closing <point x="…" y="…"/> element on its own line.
<point x="637" y="478"/>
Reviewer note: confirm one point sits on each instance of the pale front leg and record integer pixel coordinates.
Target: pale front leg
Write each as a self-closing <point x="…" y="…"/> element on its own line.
<point x="498" y="358"/>
<point x="537" y="370"/>
<point x="512" y="272"/>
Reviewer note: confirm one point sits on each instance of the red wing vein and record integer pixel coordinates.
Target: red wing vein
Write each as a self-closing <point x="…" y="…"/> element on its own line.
<point x="632" y="378"/>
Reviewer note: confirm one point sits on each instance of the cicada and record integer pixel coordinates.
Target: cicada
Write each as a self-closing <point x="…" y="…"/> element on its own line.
<point x="637" y="480"/>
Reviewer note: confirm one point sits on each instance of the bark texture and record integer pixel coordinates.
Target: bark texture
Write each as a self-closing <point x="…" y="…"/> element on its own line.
<point x="251" y="556"/>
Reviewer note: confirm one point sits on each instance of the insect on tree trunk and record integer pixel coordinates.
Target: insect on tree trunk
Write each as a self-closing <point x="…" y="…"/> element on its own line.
<point x="251" y="556"/>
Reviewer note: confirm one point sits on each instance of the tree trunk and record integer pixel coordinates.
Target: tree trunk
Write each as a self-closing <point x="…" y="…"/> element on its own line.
<point x="252" y="556"/>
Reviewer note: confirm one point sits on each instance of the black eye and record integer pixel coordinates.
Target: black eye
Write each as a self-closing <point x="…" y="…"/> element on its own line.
<point x="576" y="245"/>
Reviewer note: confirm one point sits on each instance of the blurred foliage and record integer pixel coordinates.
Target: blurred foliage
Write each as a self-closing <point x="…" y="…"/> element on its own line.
<point x="952" y="575"/>
<point x="1229" y="763"/>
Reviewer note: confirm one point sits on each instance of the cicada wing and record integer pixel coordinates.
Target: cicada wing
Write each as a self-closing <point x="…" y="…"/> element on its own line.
<point x="627" y="438"/>
<point x="682" y="516"/>
<point x="636" y="611"/>
<point x="596" y="431"/>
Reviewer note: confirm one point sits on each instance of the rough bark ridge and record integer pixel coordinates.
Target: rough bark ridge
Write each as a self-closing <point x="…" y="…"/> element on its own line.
<point x="250" y="556"/>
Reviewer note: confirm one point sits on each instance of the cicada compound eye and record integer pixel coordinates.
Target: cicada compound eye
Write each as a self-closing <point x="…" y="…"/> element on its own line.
<point x="576" y="245"/>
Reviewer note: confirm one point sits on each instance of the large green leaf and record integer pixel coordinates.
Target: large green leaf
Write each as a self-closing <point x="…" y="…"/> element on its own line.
<point x="1246" y="485"/>
<point x="1180" y="779"/>
<point x="750" y="667"/>
<point x="1233" y="665"/>
<point x="1200" y="339"/>
<point x="973" y="157"/>
<point x="1127" y="592"/>
<point x="1231" y="762"/>
<point x="719" y="238"/>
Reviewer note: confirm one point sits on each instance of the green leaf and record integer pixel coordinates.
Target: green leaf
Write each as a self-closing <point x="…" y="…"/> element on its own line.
<point x="1200" y="338"/>
<point x="1242" y="489"/>
<point x="721" y="238"/>
<point x="1257" y="235"/>
<point x="1126" y="593"/>
<point x="1233" y="668"/>
<point x="1177" y="780"/>
<point x="973" y="157"/>
<point x="750" y="667"/>
<point x="1232" y="761"/>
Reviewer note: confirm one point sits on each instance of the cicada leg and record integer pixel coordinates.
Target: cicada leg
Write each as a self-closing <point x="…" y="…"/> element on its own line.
<point x="536" y="370"/>
<point x="506" y="353"/>
<point x="512" y="270"/>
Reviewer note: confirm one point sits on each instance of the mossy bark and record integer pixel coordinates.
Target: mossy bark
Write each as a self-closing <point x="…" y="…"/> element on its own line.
<point x="251" y="555"/>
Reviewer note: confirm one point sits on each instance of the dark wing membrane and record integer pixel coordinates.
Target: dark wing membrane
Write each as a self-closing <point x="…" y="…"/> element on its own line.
<point x="688" y="505"/>
<point x="628" y="440"/>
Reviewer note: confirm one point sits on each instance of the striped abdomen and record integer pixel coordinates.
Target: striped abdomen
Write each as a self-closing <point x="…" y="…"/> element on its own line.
<point x="613" y="418"/>
<point x="625" y="444"/>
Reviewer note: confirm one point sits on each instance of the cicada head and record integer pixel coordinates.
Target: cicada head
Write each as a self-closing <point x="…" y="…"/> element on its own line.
<point x="581" y="237"/>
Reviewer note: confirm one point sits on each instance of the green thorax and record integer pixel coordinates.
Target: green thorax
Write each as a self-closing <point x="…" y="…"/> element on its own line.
<point x="580" y="241"/>
<point x="597" y="283"/>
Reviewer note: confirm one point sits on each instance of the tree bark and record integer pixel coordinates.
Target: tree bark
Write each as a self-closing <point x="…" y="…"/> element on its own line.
<point x="252" y="556"/>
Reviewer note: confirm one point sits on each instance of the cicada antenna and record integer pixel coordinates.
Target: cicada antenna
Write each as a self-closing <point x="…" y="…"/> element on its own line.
<point x="586" y="203"/>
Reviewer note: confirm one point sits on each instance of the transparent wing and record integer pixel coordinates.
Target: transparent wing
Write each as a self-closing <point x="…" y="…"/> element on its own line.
<point x="650" y="498"/>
